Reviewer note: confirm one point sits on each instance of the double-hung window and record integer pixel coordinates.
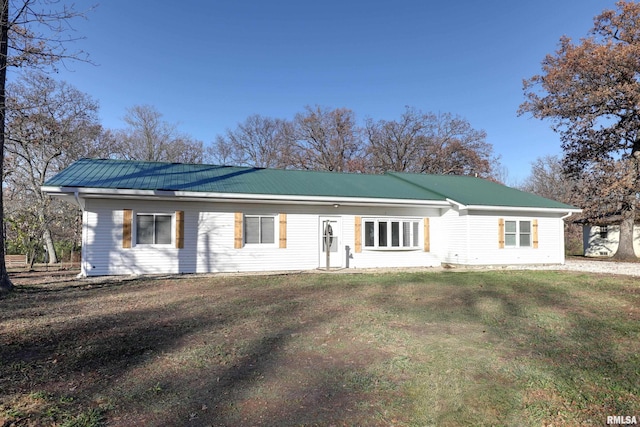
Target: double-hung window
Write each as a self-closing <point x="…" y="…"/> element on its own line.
<point x="517" y="233"/>
<point x="259" y="229"/>
<point x="391" y="233"/>
<point x="153" y="229"/>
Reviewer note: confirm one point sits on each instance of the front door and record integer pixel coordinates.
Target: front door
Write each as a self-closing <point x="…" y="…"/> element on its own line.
<point x="331" y="237"/>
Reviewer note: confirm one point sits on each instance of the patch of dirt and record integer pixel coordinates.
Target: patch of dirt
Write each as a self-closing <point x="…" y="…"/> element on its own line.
<point x="181" y="350"/>
<point x="43" y="277"/>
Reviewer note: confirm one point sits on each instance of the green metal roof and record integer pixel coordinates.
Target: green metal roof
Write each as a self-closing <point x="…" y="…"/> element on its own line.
<point x="471" y="191"/>
<point x="137" y="175"/>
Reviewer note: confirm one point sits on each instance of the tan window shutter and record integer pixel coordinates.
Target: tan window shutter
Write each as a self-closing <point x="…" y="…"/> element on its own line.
<point x="535" y="234"/>
<point x="501" y="233"/>
<point x="237" y="230"/>
<point x="427" y="239"/>
<point x="127" y="226"/>
<point x="283" y="230"/>
<point x="358" y="236"/>
<point x="179" y="229"/>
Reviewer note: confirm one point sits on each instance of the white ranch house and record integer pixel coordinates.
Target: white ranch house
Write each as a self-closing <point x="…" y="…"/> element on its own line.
<point x="149" y="218"/>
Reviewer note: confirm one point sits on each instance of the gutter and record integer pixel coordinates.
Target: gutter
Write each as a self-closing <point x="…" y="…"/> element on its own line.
<point x="80" y="193"/>
<point x="570" y="213"/>
<point x="521" y="209"/>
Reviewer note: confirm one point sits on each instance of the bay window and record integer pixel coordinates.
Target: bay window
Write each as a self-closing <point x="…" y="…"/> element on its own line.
<point x="381" y="233"/>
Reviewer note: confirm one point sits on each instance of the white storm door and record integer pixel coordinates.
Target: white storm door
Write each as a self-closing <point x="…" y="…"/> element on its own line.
<point x="331" y="233"/>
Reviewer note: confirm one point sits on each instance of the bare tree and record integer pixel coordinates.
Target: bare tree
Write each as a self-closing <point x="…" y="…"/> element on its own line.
<point x="429" y="143"/>
<point x="258" y="141"/>
<point x="49" y="125"/>
<point x="396" y="145"/>
<point x="328" y="140"/>
<point x="33" y="34"/>
<point x="549" y="179"/>
<point x="454" y="147"/>
<point x="147" y="137"/>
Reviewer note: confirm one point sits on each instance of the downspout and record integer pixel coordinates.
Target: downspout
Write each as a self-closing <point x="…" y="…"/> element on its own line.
<point x="78" y="200"/>
<point x="81" y="205"/>
<point x="561" y="245"/>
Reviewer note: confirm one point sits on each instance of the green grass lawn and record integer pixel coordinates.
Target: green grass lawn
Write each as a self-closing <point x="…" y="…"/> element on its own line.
<point x="481" y="348"/>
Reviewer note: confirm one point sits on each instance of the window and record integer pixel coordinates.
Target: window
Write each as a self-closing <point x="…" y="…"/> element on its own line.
<point x="517" y="233"/>
<point x="153" y="229"/>
<point x="391" y="233"/>
<point x="259" y="229"/>
<point x="604" y="232"/>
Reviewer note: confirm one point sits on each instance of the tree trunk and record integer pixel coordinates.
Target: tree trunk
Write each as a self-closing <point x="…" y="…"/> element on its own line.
<point x="5" y="283"/>
<point x="625" y="242"/>
<point x="51" y="249"/>
<point x="625" y="250"/>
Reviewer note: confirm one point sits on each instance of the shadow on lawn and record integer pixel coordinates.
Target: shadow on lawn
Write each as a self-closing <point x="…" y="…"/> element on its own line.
<point x="198" y="358"/>
<point x="251" y="351"/>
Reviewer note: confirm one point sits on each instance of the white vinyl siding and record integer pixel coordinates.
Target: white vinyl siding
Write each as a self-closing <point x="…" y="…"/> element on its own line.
<point x="209" y="238"/>
<point x="482" y="247"/>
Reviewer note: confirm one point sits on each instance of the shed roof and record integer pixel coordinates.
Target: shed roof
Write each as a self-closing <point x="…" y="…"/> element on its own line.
<point x="198" y="178"/>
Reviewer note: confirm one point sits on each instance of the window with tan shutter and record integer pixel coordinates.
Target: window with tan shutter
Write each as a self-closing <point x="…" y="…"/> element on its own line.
<point x="518" y="233"/>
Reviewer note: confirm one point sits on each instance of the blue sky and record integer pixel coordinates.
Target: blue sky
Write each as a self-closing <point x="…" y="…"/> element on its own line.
<point x="208" y="65"/>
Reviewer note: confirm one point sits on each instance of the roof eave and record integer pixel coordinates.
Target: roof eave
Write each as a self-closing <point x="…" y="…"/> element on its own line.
<point x="520" y="208"/>
<point x="84" y="192"/>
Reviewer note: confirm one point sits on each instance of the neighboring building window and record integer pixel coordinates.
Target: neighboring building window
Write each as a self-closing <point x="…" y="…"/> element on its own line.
<point x="391" y="233"/>
<point x="153" y="229"/>
<point x="604" y="232"/>
<point x="259" y="229"/>
<point x="517" y="233"/>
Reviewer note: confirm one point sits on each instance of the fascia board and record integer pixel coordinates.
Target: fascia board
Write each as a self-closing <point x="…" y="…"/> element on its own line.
<point x="235" y="197"/>
<point x="511" y="208"/>
<point x="521" y="209"/>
